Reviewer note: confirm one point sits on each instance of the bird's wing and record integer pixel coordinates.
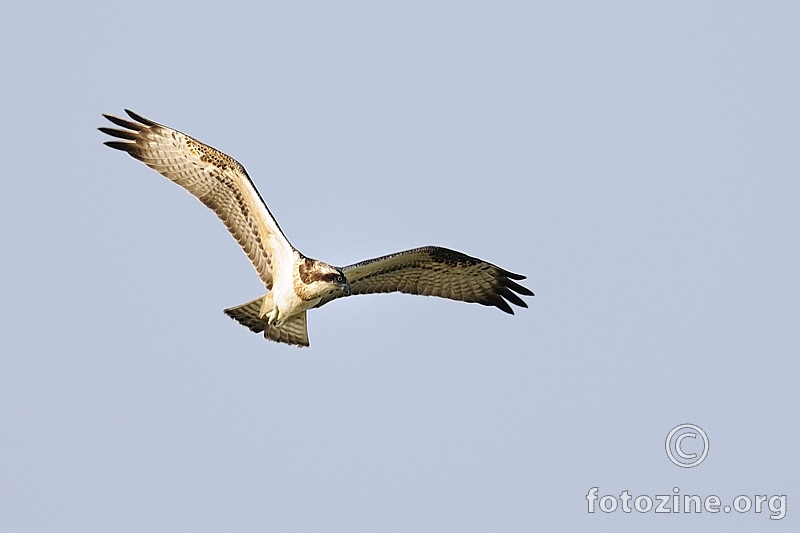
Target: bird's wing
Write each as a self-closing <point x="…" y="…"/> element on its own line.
<point x="434" y="271"/>
<point x="215" y="179"/>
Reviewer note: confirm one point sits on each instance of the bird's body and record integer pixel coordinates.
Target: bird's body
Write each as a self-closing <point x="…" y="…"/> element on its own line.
<point x="297" y="283"/>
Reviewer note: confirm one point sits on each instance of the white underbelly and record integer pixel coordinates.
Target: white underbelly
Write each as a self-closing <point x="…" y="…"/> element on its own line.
<point x="287" y="301"/>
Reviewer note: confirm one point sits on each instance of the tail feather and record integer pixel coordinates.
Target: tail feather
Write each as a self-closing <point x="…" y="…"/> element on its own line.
<point x="292" y="332"/>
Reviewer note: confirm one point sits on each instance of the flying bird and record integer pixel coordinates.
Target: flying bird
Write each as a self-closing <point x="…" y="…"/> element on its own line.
<point x="297" y="283"/>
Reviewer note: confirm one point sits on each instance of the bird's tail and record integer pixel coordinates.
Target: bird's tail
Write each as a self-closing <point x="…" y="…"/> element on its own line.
<point x="292" y="332"/>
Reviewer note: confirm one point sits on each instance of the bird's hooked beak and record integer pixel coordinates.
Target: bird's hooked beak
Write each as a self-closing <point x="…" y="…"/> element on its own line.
<point x="346" y="288"/>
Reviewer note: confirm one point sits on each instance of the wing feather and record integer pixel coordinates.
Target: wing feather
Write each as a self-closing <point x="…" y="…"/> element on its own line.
<point x="214" y="178"/>
<point x="435" y="271"/>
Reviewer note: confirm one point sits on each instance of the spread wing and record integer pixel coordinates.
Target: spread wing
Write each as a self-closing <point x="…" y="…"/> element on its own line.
<point x="434" y="271"/>
<point x="215" y="179"/>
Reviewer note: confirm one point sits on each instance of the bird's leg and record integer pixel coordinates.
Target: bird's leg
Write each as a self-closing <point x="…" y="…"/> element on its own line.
<point x="269" y="310"/>
<point x="272" y="317"/>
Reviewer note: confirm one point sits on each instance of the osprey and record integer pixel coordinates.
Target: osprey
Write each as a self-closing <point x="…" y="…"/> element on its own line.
<point x="297" y="283"/>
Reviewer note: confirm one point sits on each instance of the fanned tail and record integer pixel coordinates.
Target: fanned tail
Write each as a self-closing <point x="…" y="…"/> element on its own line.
<point x="292" y="332"/>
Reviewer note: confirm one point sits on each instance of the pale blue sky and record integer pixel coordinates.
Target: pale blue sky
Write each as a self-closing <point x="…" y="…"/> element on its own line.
<point x="639" y="164"/>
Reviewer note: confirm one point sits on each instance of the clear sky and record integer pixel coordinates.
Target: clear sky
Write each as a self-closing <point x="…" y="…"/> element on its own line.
<point x="639" y="164"/>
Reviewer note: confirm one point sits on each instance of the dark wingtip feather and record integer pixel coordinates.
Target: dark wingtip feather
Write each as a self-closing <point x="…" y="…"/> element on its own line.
<point x="509" y="310"/>
<point x="512" y="275"/>
<point x="121" y="122"/>
<point x="511" y="297"/>
<point x="121" y="134"/>
<point x="119" y="145"/>
<point x="131" y="148"/>
<point x="140" y="118"/>
<point x="516" y="287"/>
<point x="501" y="304"/>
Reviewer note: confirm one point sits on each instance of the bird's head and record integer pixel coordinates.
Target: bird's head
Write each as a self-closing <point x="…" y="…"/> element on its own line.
<point x="322" y="279"/>
<point x="336" y="278"/>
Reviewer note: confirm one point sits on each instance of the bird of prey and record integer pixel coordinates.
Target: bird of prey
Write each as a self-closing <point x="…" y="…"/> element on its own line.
<point x="297" y="283"/>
